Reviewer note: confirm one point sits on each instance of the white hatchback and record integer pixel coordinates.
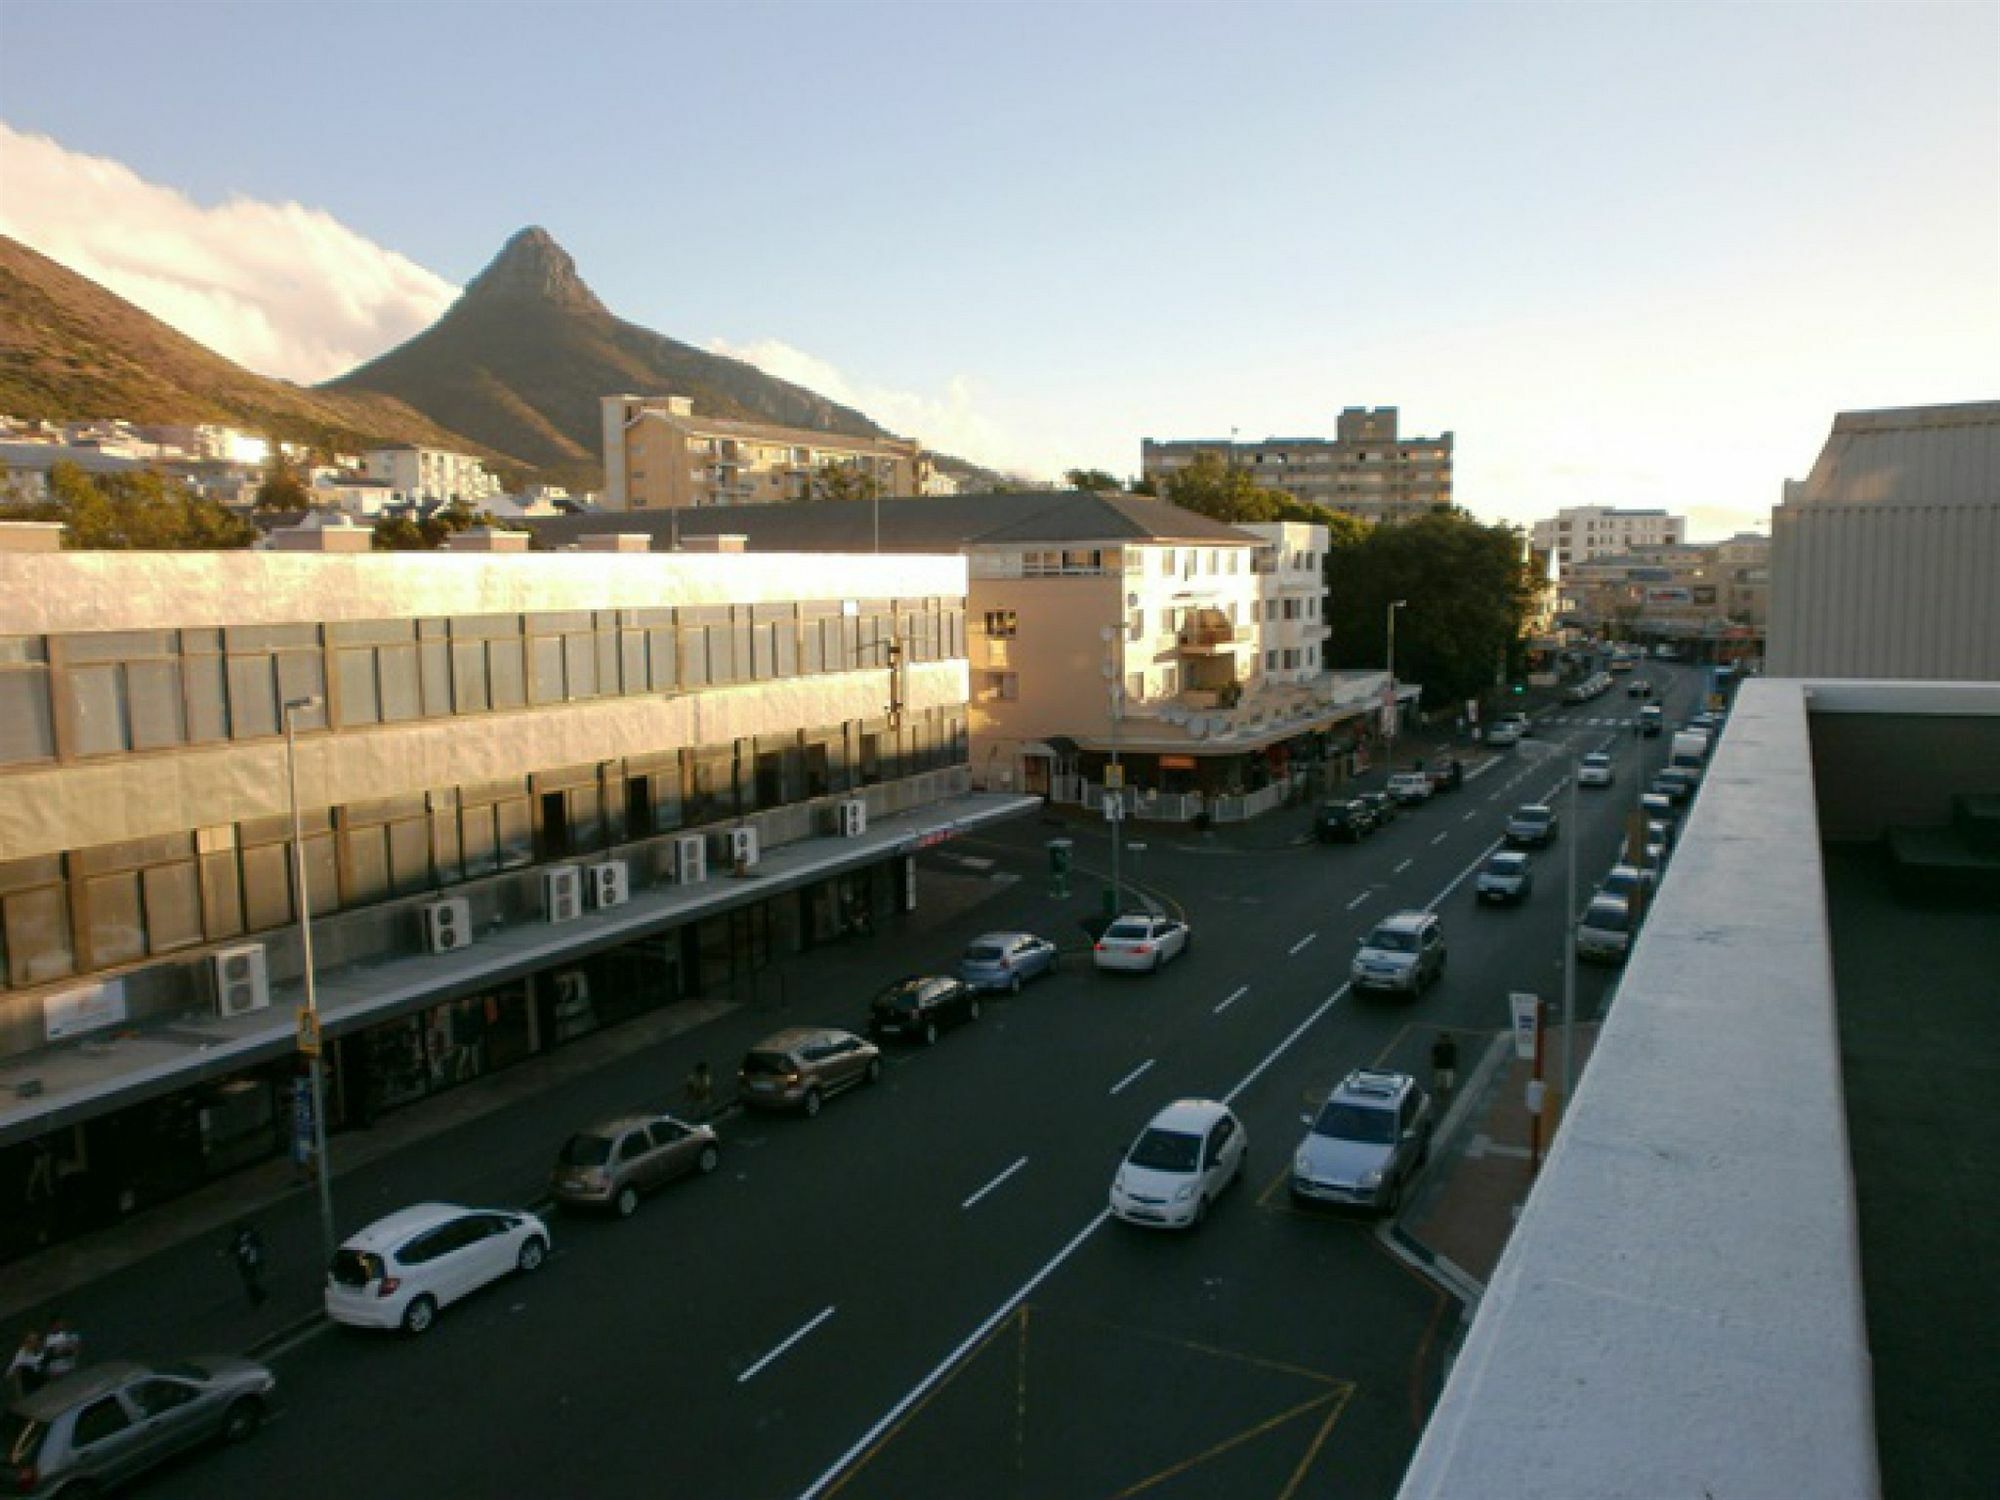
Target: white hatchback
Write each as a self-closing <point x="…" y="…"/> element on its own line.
<point x="1180" y="1164"/>
<point x="399" y="1271"/>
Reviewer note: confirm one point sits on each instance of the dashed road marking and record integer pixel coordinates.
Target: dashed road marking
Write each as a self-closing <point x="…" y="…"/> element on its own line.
<point x="824" y="1314"/>
<point x="994" y="1183"/>
<point x="1404" y="865"/>
<point x="1440" y="839"/>
<point x="1133" y="1077"/>
<point x="1240" y="993"/>
<point x="1357" y="900"/>
<point x="1302" y="944"/>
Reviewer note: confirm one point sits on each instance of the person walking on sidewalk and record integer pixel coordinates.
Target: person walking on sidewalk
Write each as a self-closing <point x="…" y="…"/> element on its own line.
<point x="62" y="1349"/>
<point x="1444" y="1065"/>
<point x="248" y="1250"/>
<point x="27" y="1372"/>
<point x="700" y="1091"/>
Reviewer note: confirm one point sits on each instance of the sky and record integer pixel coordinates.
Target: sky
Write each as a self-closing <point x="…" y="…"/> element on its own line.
<point x="1629" y="254"/>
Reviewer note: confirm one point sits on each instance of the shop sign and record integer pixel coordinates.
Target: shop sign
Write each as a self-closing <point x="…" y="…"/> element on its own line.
<point x="1177" y="763"/>
<point x="88" y="1007"/>
<point x="928" y="840"/>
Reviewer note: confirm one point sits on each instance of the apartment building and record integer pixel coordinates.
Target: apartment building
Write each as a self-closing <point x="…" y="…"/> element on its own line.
<point x="658" y="455"/>
<point x="1367" y="469"/>
<point x="416" y="473"/>
<point x="1583" y="533"/>
<point x="527" y="786"/>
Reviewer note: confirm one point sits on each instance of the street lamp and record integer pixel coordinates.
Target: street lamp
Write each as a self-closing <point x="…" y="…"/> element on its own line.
<point x="1395" y="709"/>
<point x="1114" y="778"/>
<point x="309" y="1027"/>
<point x="1569" y="756"/>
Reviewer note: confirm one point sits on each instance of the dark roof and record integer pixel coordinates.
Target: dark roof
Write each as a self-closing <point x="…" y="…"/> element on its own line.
<point x="944" y="523"/>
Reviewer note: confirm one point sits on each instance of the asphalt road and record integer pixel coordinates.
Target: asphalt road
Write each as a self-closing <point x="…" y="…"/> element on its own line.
<point x="918" y="1293"/>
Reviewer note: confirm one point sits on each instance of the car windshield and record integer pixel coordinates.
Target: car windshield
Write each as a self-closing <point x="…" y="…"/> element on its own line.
<point x="985" y="953"/>
<point x="1620" y="882"/>
<point x="1608" y="916"/>
<point x="1393" y="940"/>
<point x="1129" y="932"/>
<point x="1350" y="1122"/>
<point x="586" y="1151"/>
<point x="20" y="1439"/>
<point x="903" y="995"/>
<point x="356" y="1267"/>
<point x="1532" y="815"/>
<point x="1596" y="761"/>
<point x="767" y="1062"/>
<point x="1507" y="864"/>
<point x="1166" y="1151"/>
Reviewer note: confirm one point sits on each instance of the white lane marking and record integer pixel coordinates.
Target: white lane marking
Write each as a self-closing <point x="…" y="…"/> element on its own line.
<point x="1468" y="817"/>
<point x="1459" y="879"/>
<point x="1496" y="796"/>
<point x="1439" y="839"/>
<point x="1357" y="900"/>
<point x="1283" y="1047"/>
<point x="825" y="1313"/>
<point x="994" y="1183"/>
<point x="1302" y="944"/>
<point x="1132" y="1077"/>
<point x="1481" y="769"/>
<point x="1404" y="865"/>
<point x="1232" y="1000"/>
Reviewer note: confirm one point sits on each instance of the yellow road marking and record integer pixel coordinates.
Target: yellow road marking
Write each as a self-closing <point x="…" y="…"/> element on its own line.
<point x="1336" y="1399"/>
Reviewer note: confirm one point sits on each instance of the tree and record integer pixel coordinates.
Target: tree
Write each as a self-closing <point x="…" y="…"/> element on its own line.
<point x="1095" y="481"/>
<point x="1469" y="588"/>
<point x="401" y="534"/>
<point x="839" y="480"/>
<point x="138" y="511"/>
<point x="283" y="487"/>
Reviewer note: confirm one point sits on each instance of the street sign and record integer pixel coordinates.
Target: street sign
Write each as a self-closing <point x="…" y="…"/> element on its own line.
<point x="1114" y="808"/>
<point x="1527" y="1020"/>
<point x="1114" y="776"/>
<point x="308" y="1033"/>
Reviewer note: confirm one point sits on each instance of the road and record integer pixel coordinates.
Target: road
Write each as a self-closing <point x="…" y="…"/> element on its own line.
<point x="918" y="1293"/>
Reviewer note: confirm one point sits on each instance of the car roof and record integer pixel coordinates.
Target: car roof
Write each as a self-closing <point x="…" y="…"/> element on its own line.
<point x="1509" y="857"/>
<point x="618" y="1124"/>
<point x="1602" y="902"/>
<point x="87" y="1384"/>
<point x="999" y="937"/>
<point x="1597" y="755"/>
<point x="1405" y="921"/>
<point x="1188" y="1114"/>
<point x="1534" y="810"/>
<point x="1372" y="1086"/>
<point x="391" y="1230"/>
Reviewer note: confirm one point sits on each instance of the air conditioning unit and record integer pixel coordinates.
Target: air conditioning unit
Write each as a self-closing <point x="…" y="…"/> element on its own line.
<point x="690" y="861"/>
<point x="610" y="884"/>
<point x="242" y="982"/>
<point x="448" y="925"/>
<point x="562" y="893"/>
<point x="853" y="818"/>
<point x="743" y="847"/>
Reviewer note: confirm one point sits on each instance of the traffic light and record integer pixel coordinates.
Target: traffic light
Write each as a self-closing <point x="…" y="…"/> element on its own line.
<point x="1520" y="688"/>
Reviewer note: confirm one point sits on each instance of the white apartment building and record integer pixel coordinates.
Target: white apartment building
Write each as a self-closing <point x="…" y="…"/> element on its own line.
<point x="416" y="473"/>
<point x="1582" y="533"/>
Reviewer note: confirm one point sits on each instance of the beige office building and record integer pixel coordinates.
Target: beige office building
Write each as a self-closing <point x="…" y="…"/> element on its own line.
<point x="658" y="455"/>
<point x="1366" y="470"/>
<point x="1584" y="533"/>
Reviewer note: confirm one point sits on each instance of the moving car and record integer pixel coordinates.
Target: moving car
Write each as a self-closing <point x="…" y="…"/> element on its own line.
<point x="108" y="1423"/>
<point x="1505" y="879"/>
<point x="1605" y="933"/>
<point x="1343" y="822"/>
<point x="803" y="1066"/>
<point x="922" y="1006"/>
<point x="1140" y="941"/>
<point x="1532" y="826"/>
<point x="613" y="1163"/>
<point x="1639" y="688"/>
<point x="1595" y="769"/>
<point x="1448" y="777"/>
<point x="1508" y="729"/>
<point x="1410" y="788"/>
<point x="1006" y="961"/>
<point x="401" y="1271"/>
<point x="1381" y="806"/>
<point x="1651" y="721"/>
<point x="1405" y="953"/>
<point x="1366" y="1142"/>
<point x="1179" y="1165"/>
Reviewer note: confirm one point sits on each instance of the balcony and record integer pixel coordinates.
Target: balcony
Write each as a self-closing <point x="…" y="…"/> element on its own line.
<point x="1210" y="633"/>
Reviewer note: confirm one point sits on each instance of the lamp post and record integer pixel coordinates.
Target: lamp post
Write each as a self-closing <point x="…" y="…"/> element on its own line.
<point x="1395" y="708"/>
<point x="309" y="1025"/>
<point x="1114" y="778"/>
<point x="1568" y="754"/>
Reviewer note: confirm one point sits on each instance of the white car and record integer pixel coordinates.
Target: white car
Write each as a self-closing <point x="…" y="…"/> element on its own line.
<point x="1179" y="1165"/>
<point x="1505" y="732"/>
<point x="400" y="1271"/>
<point x="1410" y="787"/>
<point x="1142" y="942"/>
<point x="1594" y="770"/>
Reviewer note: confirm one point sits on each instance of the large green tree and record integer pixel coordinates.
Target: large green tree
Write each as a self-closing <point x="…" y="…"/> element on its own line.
<point x="837" y="480"/>
<point x="1227" y="493"/>
<point x="401" y="534"/>
<point x="1095" y="481"/>
<point x="136" y="511"/>
<point x="1469" y="590"/>
<point x="284" y="487"/>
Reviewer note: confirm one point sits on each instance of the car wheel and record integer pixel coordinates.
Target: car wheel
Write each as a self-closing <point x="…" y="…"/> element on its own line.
<point x="972" y="1005"/>
<point x="1200" y="1212"/>
<point x="930" y="1033"/>
<point x="1424" y="1151"/>
<point x="811" y="1105"/>
<point x="627" y="1201"/>
<point x="1242" y="1161"/>
<point x="1154" y="966"/>
<point x="420" y="1315"/>
<point x="709" y="1159"/>
<point x="1014" y="985"/>
<point x="245" y="1416"/>
<point x="1394" y="1201"/>
<point x="874" y="1074"/>
<point x="536" y="1250"/>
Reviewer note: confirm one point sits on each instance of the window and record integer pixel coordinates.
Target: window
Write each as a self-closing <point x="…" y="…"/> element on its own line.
<point x="1135" y="687"/>
<point x="98" y="1421"/>
<point x="123" y="690"/>
<point x="1137" y="631"/>
<point x="1002" y="687"/>
<point x="1270" y="661"/>
<point x="267" y="667"/>
<point x="34" y="922"/>
<point x="155" y="1398"/>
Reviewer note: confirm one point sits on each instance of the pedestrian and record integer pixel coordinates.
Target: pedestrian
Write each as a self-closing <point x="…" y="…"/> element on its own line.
<point x="248" y="1250"/>
<point x="1444" y="1064"/>
<point x="62" y="1349"/>
<point x="700" y="1090"/>
<point x="28" y="1370"/>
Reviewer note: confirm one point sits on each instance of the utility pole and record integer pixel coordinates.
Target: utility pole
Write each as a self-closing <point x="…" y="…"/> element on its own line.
<point x="309" y="1026"/>
<point x="1114" y="776"/>
<point x="1395" y="707"/>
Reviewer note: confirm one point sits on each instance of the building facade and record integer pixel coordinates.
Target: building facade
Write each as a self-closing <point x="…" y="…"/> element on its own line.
<point x="1366" y="470"/>
<point x="524" y="783"/>
<point x="1584" y="533"/>
<point x="1883" y="558"/>
<point x="658" y="455"/>
<point x="416" y="473"/>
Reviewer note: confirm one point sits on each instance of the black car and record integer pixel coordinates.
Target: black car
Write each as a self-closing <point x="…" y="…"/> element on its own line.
<point x="1344" y="822"/>
<point x="1448" y="777"/>
<point x="921" y="1006"/>
<point x="1381" y="806"/>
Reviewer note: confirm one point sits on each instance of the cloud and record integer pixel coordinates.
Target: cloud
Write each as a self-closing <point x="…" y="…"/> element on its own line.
<point x="949" y="422"/>
<point x="283" y="289"/>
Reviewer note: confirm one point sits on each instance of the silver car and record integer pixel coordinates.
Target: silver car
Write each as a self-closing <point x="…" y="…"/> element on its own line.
<point x="1506" y="878"/>
<point x="1605" y="933"/>
<point x="1006" y="961"/>
<point x="1404" y="953"/>
<point x="1141" y="942"/>
<point x="614" y="1162"/>
<point x="1366" y="1142"/>
<point x="109" y="1423"/>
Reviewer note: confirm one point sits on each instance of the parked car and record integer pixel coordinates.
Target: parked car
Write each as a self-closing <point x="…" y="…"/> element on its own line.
<point x="401" y="1271"/>
<point x="1659" y="808"/>
<point x="1678" y="783"/>
<point x="922" y="1006"/>
<point x="1179" y="1165"/>
<point x="1365" y="1143"/>
<point x="1448" y="777"/>
<point x="1141" y="941"/>
<point x="1343" y="822"/>
<point x="1630" y="884"/>
<point x="1506" y="878"/>
<point x="1381" y="807"/>
<point x="1639" y="688"/>
<point x="106" y="1424"/>
<point x="1605" y="933"/>
<point x="1405" y="952"/>
<point x="1650" y="721"/>
<point x="1595" y="769"/>
<point x="803" y="1066"/>
<point x="1006" y="961"/>
<point x="1532" y="826"/>
<point x="613" y="1163"/>
<point x="1410" y="788"/>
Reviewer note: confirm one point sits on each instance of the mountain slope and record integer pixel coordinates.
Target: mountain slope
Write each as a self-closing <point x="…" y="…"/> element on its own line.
<point x="70" y="350"/>
<point x="520" y="361"/>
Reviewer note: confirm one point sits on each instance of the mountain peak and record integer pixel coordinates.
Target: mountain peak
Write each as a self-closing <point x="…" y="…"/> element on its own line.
<point x="532" y="267"/>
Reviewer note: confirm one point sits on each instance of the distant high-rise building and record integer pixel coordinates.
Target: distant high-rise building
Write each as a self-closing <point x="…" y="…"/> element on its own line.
<point x="1583" y="533"/>
<point x="1367" y="470"/>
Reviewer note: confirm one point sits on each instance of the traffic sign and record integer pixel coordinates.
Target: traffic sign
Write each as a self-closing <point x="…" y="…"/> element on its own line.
<point x="308" y="1033"/>
<point x="1527" y="1020"/>
<point x="1114" y="776"/>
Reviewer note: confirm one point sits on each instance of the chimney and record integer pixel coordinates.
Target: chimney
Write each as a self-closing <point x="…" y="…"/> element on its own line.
<point x="31" y="536"/>
<point x="334" y="534"/>
<point x="615" y="541"/>
<point x="486" y="539"/>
